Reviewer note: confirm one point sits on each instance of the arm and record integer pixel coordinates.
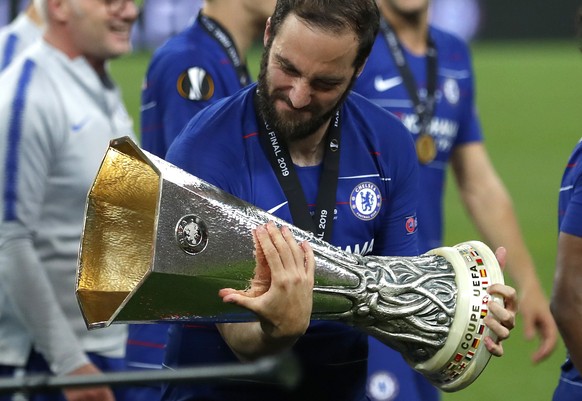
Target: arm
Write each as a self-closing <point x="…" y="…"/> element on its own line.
<point x="490" y="208"/>
<point x="24" y="279"/>
<point x="567" y="297"/>
<point x="281" y="295"/>
<point x="29" y="289"/>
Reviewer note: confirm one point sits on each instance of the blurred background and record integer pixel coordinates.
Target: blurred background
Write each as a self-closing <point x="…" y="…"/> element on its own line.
<point x="479" y="19"/>
<point x="528" y="70"/>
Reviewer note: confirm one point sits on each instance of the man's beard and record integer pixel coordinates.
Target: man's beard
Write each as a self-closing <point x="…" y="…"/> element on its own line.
<point x="290" y="128"/>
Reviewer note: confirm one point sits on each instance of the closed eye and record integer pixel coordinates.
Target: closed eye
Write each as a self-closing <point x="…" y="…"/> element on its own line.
<point x="325" y="84"/>
<point x="288" y="68"/>
<point x="321" y="83"/>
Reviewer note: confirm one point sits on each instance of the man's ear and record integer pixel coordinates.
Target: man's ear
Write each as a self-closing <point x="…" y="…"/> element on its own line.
<point x="59" y="9"/>
<point x="267" y="33"/>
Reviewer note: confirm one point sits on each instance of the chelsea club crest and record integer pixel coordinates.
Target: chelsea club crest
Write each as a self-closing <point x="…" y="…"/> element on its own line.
<point x="365" y="201"/>
<point x="191" y="234"/>
<point x="451" y="91"/>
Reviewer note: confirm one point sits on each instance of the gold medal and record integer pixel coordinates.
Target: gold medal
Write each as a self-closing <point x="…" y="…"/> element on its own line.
<point x="425" y="148"/>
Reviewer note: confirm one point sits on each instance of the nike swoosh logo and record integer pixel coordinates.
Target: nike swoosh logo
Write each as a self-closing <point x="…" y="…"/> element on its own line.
<point x="79" y="126"/>
<point x="273" y="210"/>
<point x="148" y="106"/>
<point x="382" y="85"/>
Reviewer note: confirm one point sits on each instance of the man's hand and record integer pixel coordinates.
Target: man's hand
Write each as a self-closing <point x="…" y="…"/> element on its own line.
<point x="537" y="319"/>
<point x="281" y="292"/>
<point x="500" y="319"/>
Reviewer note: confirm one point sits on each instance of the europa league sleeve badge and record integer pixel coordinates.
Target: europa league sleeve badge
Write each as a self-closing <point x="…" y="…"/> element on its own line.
<point x="426" y="149"/>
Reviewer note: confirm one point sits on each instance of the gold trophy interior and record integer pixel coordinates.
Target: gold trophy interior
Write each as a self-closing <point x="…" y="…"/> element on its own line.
<point x="146" y="254"/>
<point x="119" y="231"/>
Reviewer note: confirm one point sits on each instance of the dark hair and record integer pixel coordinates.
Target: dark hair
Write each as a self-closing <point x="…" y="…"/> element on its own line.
<point x="361" y="16"/>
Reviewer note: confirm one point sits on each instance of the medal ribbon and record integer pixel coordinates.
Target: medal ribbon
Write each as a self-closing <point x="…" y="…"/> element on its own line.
<point x="223" y="38"/>
<point x="321" y="224"/>
<point x="424" y="110"/>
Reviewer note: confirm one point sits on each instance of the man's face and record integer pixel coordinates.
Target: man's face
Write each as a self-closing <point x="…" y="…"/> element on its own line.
<point x="305" y="74"/>
<point x="101" y="29"/>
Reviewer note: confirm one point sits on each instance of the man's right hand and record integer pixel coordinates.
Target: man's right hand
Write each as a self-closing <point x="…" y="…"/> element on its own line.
<point x="281" y="295"/>
<point x="103" y="393"/>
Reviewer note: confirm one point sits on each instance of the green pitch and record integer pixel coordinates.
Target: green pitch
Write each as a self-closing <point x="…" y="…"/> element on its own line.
<point x="529" y="97"/>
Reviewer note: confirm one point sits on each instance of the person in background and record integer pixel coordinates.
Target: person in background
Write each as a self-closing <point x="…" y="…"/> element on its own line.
<point x="424" y="76"/>
<point x="303" y="116"/>
<point x="59" y="109"/>
<point x="203" y="63"/>
<point x="19" y="34"/>
<point x="566" y="301"/>
<point x="566" y="294"/>
<point x="15" y="37"/>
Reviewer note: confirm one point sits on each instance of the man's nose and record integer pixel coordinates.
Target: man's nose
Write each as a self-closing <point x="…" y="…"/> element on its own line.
<point x="300" y="94"/>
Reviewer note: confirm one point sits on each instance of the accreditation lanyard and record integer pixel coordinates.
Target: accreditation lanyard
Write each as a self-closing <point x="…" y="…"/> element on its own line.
<point x="424" y="110"/>
<point x="223" y="38"/>
<point x="321" y="224"/>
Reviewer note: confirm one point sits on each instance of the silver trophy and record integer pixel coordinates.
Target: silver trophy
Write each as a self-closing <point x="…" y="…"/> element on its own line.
<point x="158" y="244"/>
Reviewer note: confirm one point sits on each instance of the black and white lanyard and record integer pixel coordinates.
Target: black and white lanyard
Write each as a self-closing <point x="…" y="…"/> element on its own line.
<point x="424" y="110"/>
<point x="321" y="224"/>
<point x="223" y="38"/>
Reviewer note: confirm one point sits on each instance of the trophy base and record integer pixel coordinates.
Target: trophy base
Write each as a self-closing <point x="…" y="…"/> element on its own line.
<point x="464" y="355"/>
